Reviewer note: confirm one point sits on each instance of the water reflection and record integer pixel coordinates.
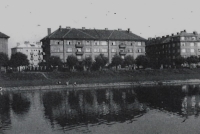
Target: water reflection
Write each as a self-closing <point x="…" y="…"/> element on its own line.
<point x="91" y="107"/>
<point x="182" y="100"/>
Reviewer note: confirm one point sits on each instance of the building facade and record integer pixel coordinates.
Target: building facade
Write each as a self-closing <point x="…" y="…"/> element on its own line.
<point x="4" y="43"/>
<point x="92" y="42"/>
<point x="169" y="47"/>
<point x="33" y="51"/>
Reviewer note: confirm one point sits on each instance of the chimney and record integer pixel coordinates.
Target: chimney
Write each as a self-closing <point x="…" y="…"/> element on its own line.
<point x="195" y="32"/>
<point x="177" y="33"/>
<point x="48" y="31"/>
<point x="106" y="28"/>
<point x="172" y="34"/>
<point x="184" y="31"/>
<point x="167" y="36"/>
<point x="60" y="28"/>
<point x="163" y="36"/>
<point x="83" y="28"/>
<point x="67" y="27"/>
<point x="119" y="29"/>
<point x="128" y="30"/>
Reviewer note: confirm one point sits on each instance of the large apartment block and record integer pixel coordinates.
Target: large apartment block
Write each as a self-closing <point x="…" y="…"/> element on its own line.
<point x="33" y="51"/>
<point x="92" y="42"/>
<point x="182" y="44"/>
<point x="4" y="43"/>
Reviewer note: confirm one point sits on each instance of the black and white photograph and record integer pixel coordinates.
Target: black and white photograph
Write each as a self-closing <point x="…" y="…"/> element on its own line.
<point x="99" y="66"/>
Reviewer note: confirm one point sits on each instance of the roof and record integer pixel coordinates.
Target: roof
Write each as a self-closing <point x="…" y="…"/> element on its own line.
<point x="93" y="34"/>
<point x="28" y="45"/>
<point x="2" y="35"/>
<point x="166" y="39"/>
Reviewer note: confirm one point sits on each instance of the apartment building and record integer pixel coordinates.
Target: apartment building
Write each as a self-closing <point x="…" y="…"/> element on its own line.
<point x="181" y="44"/>
<point x="4" y="43"/>
<point x="92" y="42"/>
<point x="33" y="51"/>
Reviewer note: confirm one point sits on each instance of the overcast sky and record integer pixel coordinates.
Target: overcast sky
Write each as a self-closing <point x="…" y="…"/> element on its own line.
<point x="28" y="20"/>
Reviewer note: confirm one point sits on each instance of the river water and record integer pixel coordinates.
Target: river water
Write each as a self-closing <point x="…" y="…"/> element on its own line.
<point x="140" y="110"/>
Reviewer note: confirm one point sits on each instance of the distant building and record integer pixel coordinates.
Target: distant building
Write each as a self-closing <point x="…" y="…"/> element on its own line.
<point x="4" y="43"/>
<point x="32" y="50"/>
<point x="91" y="42"/>
<point x="182" y="44"/>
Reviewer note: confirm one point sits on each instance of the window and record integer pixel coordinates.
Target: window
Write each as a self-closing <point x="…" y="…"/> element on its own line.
<point x="182" y="38"/>
<point x="104" y="50"/>
<point x="96" y="43"/>
<point x="69" y="49"/>
<point x="139" y="43"/>
<point x="192" y="44"/>
<point x="79" y="50"/>
<point x="183" y="50"/>
<point x="96" y="50"/>
<point x="182" y="44"/>
<point x="54" y="49"/>
<point x="87" y="42"/>
<point x="122" y="56"/>
<point x="198" y="50"/>
<point x="130" y="50"/>
<point x="173" y="45"/>
<point x="192" y="50"/>
<point x="193" y="38"/>
<point x="113" y="50"/>
<point x="104" y="43"/>
<point x="87" y="50"/>
<point x="86" y="56"/>
<point x="139" y="50"/>
<point x="113" y="43"/>
<point x="78" y="42"/>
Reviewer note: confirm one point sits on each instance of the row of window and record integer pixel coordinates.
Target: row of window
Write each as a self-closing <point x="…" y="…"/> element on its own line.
<point x="104" y="43"/>
<point x="188" y="38"/>
<point x="104" y="50"/>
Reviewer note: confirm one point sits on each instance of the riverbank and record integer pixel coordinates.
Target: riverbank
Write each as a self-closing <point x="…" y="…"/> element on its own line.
<point x="109" y="78"/>
<point x="103" y="85"/>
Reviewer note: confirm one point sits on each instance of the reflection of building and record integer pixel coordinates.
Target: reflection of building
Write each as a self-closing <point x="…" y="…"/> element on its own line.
<point x="4" y="43"/>
<point x="85" y="106"/>
<point x="33" y="51"/>
<point x="182" y="44"/>
<point x="92" y="42"/>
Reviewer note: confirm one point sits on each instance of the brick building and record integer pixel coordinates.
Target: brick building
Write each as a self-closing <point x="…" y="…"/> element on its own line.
<point x="4" y="43"/>
<point x="92" y="42"/>
<point x="33" y="51"/>
<point x="182" y="44"/>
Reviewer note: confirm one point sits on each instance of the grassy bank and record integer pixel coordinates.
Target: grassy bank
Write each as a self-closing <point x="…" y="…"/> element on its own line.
<point x="109" y="76"/>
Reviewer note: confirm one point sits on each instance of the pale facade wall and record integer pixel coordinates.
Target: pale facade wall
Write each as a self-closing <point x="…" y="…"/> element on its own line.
<point x="34" y="54"/>
<point x="64" y="48"/>
<point x="4" y="45"/>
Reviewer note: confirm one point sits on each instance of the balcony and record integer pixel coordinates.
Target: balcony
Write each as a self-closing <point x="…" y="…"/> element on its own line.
<point x="79" y="53"/>
<point x="79" y="45"/>
<point x="122" y="46"/>
<point x="122" y="53"/>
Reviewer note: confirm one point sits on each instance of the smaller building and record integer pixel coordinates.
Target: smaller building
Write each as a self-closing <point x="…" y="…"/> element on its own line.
<point x="4" y="43"/>
<point x="32" y="50"/>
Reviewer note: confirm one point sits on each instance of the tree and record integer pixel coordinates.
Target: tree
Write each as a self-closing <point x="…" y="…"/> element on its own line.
<point x="18" y="59"/>
<point x="88" y="62"/>
<point x="3" y="59"/>
<point x="142" y="60"/>
<point x="192" y="59"/>
<point x="179" y="60"/>
<point x="54" y="61"/>
<point x="101" y="61"/>
<point x="128" y="60"/>
<point x="117" y="60"/>
<point x="72" y="61"/>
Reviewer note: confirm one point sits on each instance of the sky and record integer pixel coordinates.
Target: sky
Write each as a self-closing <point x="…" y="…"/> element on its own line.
<point x="28" y="20"/>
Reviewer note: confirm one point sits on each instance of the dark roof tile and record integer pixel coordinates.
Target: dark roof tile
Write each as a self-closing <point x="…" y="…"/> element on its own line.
<point x="2" y="35"/>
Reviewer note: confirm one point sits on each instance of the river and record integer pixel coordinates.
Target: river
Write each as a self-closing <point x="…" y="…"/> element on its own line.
<point x="140" y="110"/>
